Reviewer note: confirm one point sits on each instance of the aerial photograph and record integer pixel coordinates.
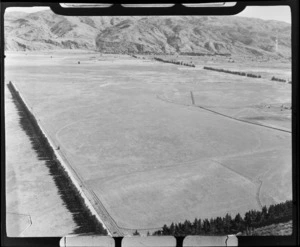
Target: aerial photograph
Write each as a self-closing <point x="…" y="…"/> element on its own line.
<point x="147" y="125"/>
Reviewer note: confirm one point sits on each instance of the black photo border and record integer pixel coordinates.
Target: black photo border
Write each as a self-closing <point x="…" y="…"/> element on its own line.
<point x="177" y="9"/>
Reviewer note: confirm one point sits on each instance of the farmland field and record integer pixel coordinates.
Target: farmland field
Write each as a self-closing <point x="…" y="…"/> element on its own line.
<point x="129" y="128"/>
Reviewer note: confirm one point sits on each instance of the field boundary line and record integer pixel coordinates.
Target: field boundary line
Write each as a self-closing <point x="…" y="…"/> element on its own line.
<point x="244" y="121"/>
<point x="28" y="219"/>
<point x="224" y="115"/>
<point x="258" y="192"/>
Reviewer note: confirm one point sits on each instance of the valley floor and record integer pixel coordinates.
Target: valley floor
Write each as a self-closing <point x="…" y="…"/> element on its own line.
<point x="129" y="128"/>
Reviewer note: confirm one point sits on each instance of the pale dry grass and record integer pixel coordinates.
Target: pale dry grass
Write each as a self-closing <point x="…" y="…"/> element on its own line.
<point x="128" y="128"/>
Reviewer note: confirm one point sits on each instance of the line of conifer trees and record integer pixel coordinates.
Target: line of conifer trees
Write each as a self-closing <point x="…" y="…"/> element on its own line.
<point x="231" y="225"/>
<point x="277" y="79"/>
<point x="233" y="72"/>
<point x="204" y="54"/>
<point x="85" y="220"/>
<point x="175" y="62"/>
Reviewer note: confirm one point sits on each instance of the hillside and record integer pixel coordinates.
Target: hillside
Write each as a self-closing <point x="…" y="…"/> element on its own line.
<point x="181" y="35"/>
<point x="280" y="229"/>
<point x="45" y="30"/>
<point x="204" y="35"/>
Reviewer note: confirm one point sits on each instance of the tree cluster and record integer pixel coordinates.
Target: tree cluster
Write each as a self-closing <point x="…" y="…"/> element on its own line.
<point x="277" y="79"/>
<point x="174" y="62"/>
<point x="231" y="225"/>
<point x="233" y="72"/>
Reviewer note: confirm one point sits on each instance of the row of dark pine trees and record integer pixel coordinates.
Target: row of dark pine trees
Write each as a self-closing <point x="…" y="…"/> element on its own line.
<point x="233" y="72"/>
<point x="174" y="62"/>
<point x="204" y="54"/>
<point x="231" y="225"/>
<point x="86" y="222"/>
<point x="277" y="79"/>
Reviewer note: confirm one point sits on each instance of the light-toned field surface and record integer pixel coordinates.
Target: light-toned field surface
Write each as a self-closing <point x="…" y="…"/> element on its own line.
<point x="128" y="127"/>
<point x="33" y="205"/>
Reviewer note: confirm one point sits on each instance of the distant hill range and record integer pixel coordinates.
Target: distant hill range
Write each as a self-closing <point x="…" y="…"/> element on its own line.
<point x="192" y="35"/>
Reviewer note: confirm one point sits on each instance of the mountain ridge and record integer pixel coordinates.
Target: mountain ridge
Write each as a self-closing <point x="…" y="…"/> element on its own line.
<point x="192" y="35"/>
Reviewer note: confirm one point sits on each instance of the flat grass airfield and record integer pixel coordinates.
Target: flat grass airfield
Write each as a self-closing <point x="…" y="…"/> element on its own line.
<point x="129" y="129"/>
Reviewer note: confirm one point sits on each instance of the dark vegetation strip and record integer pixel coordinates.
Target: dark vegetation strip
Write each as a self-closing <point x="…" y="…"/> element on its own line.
<point x="205" y="54"/>
<point x="233" y="72"/>
<point x="167" y="61"/>
<point x="85" y="220"/>
<point x="274" y="214"/>
<point x="279" y="79"/>
<point x="174" y="62"/>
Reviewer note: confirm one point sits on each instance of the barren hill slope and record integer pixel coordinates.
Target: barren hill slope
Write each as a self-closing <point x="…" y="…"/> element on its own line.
<point x="192" y="34"/>
<point x="46" y="30"/>
<point x="208" y="35"/>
